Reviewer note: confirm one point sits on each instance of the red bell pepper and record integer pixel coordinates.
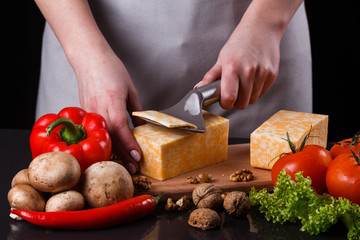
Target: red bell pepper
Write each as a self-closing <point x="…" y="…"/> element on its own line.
<point x="73" y="130"/>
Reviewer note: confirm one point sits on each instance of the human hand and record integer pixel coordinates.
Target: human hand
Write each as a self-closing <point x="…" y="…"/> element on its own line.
<point x="247" y="65"/>
<point x="105" y="87"/>
<point x="104" y="84"/>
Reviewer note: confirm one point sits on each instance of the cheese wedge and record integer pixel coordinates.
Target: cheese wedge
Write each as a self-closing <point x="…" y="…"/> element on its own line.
<point x="267" y="141"/>
<point x="163" y="119"/>
<point x="171" y="152"/>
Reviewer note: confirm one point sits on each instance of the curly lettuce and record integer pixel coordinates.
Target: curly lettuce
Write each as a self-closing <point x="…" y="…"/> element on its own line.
<point x="297" y="201"/>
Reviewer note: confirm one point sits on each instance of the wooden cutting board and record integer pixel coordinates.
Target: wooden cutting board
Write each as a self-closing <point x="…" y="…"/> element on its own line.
<point x="238" y="159"/>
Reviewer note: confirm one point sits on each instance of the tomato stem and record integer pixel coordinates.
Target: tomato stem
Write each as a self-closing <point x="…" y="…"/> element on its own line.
<point x="357" y="157"/>
<point x="293" y="146"/>
<point x="355" y="139"/>
<point x="353" y="142"/>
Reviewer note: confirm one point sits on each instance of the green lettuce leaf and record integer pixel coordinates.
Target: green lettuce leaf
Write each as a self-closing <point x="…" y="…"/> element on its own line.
<point x="297" y="201"/>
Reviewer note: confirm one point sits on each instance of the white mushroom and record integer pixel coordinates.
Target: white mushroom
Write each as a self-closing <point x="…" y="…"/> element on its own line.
<point x="105" y="183"/>
<point x="22" y="177"/>
<point x="25" y="197"/>
<point x="54" y="172"/>
<point x="65" y="201"/>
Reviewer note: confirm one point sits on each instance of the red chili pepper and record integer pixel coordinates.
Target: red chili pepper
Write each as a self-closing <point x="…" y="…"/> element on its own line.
<point x="121" y="212"/>
<point x="73" y="130"/>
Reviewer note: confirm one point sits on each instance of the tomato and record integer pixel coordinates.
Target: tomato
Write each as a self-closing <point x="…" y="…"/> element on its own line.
<point x="313" y="160"/>
<point x="345" y="145"/>
<point x="343" y="177"/>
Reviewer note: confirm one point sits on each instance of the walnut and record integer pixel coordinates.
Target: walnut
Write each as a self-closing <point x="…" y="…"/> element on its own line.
<point x="204" y="218"/>
<point x="223" y="195"/>
<point x="236" y="204"/>
<point x="204" y="177"/>
<point x="183" y="204"/>
<point x="207" y="195"/>
<point x="242" y="176"/>
<point x="141" y="183"/>
<point x="192" y="180"/>
<point x="170" y="205"/>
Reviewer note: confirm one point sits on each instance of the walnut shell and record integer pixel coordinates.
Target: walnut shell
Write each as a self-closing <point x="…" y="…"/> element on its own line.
<point x="204" y="218"/>
<point x="236" y="204"/>
<point x="207" y="195"/>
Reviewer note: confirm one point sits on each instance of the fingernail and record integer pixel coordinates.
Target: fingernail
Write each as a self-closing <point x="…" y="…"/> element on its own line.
<point x="135" y="155"/>
<point x="131" y="167"/>
<point x="197" y="84"/>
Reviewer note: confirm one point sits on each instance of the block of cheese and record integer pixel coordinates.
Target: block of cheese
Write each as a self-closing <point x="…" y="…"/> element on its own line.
<point x="171" y="152"/>
<point x="267" y="141"/>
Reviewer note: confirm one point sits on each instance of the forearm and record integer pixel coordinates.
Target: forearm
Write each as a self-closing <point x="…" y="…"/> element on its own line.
<point x="269" y="15"/>
<point x="248" y="64"/>
<point x="75" y="28"/>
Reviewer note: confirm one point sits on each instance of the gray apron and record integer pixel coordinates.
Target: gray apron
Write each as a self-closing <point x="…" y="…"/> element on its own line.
<point x="168" y="46"/>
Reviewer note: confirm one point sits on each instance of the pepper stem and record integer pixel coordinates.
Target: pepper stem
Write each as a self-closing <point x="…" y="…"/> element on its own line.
<point x="157" y="198"/>
<point x="71" y="133"/>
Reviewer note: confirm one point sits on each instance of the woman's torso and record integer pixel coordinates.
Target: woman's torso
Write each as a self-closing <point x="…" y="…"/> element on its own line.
<point x="167" y="47"/>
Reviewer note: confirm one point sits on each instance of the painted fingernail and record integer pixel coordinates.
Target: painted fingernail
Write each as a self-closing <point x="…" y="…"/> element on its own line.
<point x="131" y="168"/>
<point x="197" y="84"/>
<point x="135" y="155"/>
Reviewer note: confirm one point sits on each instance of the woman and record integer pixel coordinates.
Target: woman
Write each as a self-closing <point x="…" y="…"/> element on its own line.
<point x="119" y="56"/>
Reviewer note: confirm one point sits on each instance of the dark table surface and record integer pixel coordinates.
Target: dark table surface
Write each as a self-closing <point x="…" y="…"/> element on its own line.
<point x="16" y="155"/>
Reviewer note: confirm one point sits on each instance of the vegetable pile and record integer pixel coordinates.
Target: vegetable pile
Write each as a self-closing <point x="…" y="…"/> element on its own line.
<point x="71" y="170"/>
<point x="44" y="194"/>
<point x="298" y="201"/>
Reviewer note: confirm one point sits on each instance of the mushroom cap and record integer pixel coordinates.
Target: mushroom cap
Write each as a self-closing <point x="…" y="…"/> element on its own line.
<point x="22" y="177"/>
<point x="65" y="201"/>
<point x="54" y="172"/>
<point x="26" y="197"/>
<point x="105" y="183"/>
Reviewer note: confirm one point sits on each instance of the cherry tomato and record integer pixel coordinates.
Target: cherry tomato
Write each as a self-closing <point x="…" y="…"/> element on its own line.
<point x="343" y="177"/>
<point x="313" y="160"/>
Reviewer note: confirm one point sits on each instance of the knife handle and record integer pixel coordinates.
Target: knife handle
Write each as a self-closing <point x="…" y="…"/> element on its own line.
<point x="210" y="92"/>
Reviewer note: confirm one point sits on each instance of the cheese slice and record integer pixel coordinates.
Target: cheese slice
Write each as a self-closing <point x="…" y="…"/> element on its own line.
<point x="171" y="152"/>
<point x="267" y="141"/>
<point x="163" y="119"/>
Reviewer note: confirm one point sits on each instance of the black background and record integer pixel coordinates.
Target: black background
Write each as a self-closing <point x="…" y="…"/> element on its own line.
<point x="334" y="29"/>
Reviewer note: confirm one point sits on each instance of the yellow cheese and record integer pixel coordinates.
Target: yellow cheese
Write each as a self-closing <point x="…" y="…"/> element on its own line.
<point x="163" y="119"/>
<point x="171" y="152"/>
<point x="267" y="141"/>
